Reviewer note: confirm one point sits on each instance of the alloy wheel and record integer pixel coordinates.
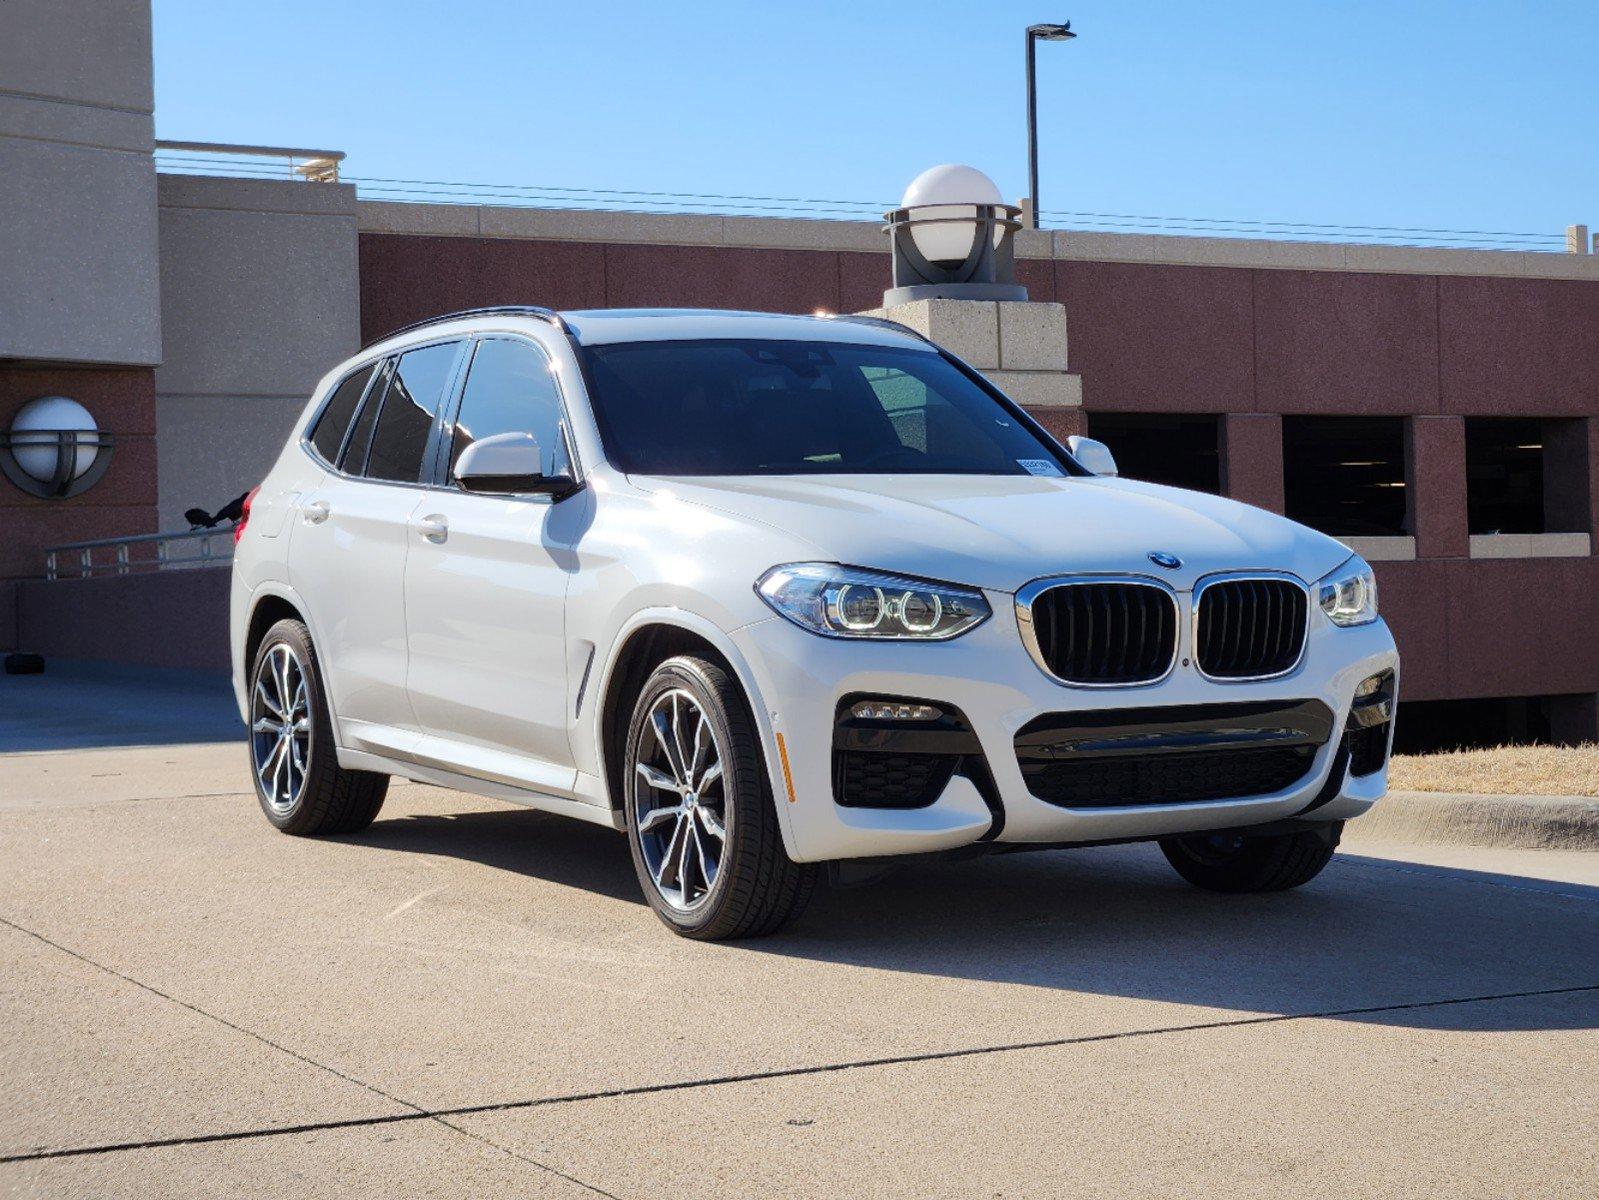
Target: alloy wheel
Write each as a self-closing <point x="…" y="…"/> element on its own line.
<point x="680" y="804"/>
<point x="280" y="727"/>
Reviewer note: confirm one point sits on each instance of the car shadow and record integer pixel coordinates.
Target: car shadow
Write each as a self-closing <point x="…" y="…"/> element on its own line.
<point x="1371" y="940"/>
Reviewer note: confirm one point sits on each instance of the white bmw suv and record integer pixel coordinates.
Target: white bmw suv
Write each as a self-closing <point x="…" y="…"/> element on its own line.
<point x="770" y="592"/>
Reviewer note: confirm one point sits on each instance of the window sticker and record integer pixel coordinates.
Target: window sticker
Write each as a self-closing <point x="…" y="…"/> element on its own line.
<point x="1038" y="466"/>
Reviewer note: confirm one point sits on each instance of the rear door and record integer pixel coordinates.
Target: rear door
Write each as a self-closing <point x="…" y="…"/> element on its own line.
<point x="347" y="559"/>
<point x="485" y="586"/>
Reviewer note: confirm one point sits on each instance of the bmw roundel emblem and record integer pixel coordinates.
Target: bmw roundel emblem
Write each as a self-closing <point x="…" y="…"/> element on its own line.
<point x="1161" y="559"/>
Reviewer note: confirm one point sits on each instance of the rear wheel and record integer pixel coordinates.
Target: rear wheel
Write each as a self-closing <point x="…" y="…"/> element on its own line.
<point x="298" y="780"/>
<point x="701" y="821"/>
<point x="1232" y="862"/>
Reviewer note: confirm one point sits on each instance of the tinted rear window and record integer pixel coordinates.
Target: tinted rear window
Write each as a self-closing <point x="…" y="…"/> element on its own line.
<point x="336" y="416"/>
<point x="401" y="436"/>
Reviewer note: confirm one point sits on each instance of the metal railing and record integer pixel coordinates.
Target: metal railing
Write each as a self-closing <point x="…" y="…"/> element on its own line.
<point x="140" y="553"/>
<point x="224" y="158"/>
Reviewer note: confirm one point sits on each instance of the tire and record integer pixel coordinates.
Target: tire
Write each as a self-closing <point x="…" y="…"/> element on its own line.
<point x="302" y="790"/>
<point x="1229" y="862"/>
<point x="753" y="888"/>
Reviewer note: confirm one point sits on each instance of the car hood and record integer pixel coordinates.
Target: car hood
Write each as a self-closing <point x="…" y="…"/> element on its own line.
<point x="1000" y="532"/>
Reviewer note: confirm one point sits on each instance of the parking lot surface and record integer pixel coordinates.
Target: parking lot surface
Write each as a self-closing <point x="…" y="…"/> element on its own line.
<point x="472" y="999"/>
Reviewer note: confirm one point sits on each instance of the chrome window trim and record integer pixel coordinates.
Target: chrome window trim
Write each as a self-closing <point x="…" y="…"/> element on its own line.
<point x="1029" y="594"/>
<point x="1205" y="581"/>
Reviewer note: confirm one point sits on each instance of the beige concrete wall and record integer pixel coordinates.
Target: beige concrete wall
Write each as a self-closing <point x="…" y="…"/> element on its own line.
<point x="259" y="298"/>
<point x="78" y="273"/>
<point x="773" y="233"/>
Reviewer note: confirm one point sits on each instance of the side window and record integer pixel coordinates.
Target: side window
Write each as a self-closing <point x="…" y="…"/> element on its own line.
<point x="510" y="390"/>
<point x="354" y="460"/>
<point x="335" y="418"/>
<point x="413" y="399"/>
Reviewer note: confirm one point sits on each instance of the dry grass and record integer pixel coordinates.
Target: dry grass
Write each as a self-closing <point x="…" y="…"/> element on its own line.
<point x="1505" y="770"/>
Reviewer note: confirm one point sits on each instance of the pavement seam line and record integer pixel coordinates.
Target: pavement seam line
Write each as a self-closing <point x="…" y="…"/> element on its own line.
<point x="417" y="1112"/>
<point x="781" y="1073"/>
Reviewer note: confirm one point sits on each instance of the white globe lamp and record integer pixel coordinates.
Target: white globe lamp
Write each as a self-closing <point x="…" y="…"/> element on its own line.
<point x="946" y="200"/>
<point x="54" y="448"/>
<point x="952" y="239"/>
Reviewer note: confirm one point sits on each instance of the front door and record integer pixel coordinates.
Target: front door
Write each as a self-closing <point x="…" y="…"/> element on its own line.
<point x="485" y="589"/>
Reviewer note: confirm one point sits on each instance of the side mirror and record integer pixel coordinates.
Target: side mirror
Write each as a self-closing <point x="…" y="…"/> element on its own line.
<point x="509" y="464"/>
<point x="1095" y="456"/>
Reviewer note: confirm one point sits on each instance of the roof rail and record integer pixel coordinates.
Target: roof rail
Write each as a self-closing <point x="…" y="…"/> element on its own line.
<point x="493" y="310"/>
<point x="881" y="323"/>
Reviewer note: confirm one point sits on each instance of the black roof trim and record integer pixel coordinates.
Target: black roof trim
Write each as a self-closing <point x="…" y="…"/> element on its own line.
<point x="496" y="310"/>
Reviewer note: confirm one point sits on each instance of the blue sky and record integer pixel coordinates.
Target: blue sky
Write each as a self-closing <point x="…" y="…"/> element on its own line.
<point x="1458" y="115"/>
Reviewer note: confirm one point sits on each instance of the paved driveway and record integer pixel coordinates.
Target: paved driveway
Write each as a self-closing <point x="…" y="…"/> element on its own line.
<point x="471" y="999"/>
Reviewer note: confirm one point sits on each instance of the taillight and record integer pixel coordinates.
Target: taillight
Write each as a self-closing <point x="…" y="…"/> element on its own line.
<point x="244" y="514"/>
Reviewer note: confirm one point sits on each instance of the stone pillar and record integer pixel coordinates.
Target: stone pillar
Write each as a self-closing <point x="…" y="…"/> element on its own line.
<point x="1435" y="472"/>
<point x="1576" y="239"/>
<point x="77" y="184"/>
<point x="79" y="283"/>
<point x="1018" y="345"/>
<point x="260" y="296"/>
<point x="1252" y="459"/>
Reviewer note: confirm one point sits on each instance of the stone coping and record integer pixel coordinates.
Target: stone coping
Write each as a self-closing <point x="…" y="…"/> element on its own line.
<point x="1382" y="549"/>
<point x="1530" y="545"/>
<point x="779" y="233"/>
<point x="289" y="196"/>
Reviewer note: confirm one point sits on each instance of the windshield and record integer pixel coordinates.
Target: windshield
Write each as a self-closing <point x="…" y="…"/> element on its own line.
<point x="767" y="407"/>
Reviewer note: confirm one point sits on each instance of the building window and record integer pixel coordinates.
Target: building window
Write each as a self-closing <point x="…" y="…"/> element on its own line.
<point x="1521" y="476"/>
<point x="1346" y="475"/>
<point x="1180" y="450"/>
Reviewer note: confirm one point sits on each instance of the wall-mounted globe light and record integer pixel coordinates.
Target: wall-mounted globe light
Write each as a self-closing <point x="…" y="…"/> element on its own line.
<point x="54" y="449"/>
<point x="952" y="238"/>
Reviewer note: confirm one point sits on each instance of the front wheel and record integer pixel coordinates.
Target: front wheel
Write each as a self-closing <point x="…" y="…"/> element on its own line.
<point x="701" y="820"/>
<point x="1234" y="862"/>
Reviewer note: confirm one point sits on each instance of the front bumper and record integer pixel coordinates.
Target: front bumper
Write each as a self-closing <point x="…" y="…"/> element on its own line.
<point x="988" y="676"/>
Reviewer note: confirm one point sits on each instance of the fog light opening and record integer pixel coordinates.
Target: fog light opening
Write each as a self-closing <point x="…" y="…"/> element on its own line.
<point x="894" y="710"/>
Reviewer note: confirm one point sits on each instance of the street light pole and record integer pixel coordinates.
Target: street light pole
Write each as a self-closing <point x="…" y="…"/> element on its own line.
<point x="1036" y="33"/>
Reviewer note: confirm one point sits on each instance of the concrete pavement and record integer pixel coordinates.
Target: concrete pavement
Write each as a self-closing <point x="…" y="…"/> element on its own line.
<point x="471" y="999"/>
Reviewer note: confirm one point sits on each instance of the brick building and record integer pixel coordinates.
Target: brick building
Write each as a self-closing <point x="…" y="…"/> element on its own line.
<point x="1438" y="409"/>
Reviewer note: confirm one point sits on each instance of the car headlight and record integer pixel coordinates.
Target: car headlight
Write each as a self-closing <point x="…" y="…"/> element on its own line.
<point x="1349" y="594"/>
<point x="850" y="602"/>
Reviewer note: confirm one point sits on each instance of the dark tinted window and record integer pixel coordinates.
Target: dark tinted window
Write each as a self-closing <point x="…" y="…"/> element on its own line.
<point x="1176" y="449"/>
<point x="1346" y="475"/>
<point x="758" y="407"/>
<point x="335" y="418"/>
<point x="510" y="390"/>
<point x="354" y="460"/>
<point x="413" y="399"/>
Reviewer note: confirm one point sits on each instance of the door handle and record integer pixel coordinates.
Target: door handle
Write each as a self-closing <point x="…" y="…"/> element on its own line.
<point x="434" y="528"/>
<point x="316" y="512"/>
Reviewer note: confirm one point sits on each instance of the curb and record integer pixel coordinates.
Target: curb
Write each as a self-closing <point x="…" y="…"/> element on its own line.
<point x="1462" y="819"/>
